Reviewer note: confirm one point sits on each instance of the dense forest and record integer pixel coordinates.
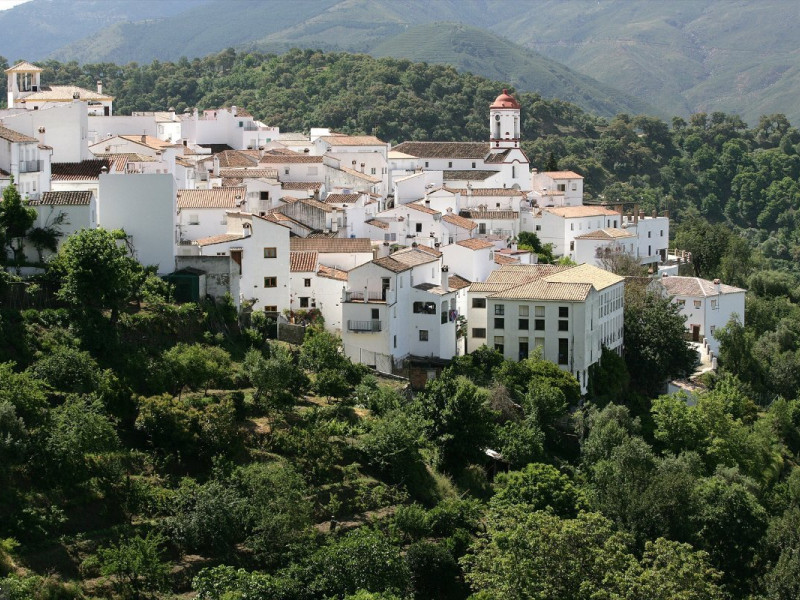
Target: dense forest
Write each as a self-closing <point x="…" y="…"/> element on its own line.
<point x="153" y="449"/>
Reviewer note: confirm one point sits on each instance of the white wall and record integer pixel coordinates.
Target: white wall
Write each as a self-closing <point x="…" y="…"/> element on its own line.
<point x="66" y="129"/>
<point x="144" y="206"/>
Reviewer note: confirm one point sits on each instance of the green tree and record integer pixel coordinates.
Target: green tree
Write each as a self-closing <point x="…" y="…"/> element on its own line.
<point x="392" y="446"/>
<point x="96" y="272"/>
<point x="197" y="366"/>
<point x="538" y="487"/>
<point x="16" y="218"/>
<point x="457" y="420"/>
<point x="277" y="379"/>
<point x="655" y="349"/>
<point x="135" y="566"/>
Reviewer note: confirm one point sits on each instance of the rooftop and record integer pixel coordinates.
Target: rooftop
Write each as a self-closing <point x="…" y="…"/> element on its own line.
<point x="15" y="136"/>
<point x="610" y="233"/>
<point x="574" y="212"/>
<point x="332" y="273"/>
<point x="282" y="159"/>
<point x="467" y="175"/>
<point x="81" y="171"/>
<point x="325" y="245"/>
<point x="70" y="198"/>
<point x="303" y="261"/>
<point x="459" y="221"/>
<point x="224" y="197"/>
<point x="562" y="174"/>
<point x="695" y="286"/>
<point x="475" y="244"/>
<point x="352" y="140"/>
<point x="218" y="239"/>
<point x="476" y="150"/>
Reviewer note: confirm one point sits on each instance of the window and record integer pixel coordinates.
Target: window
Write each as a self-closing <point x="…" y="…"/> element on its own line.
<point x="681" y="303"/>
<point x="418" y="227"/>
<point x="523" y="324"/>
<point x="473" y="165"/>
<point x="499" y="323"/>
<point x="538" y="324"/>
<point x="372" y="171"/>
<point x="263" y="195"/>
<point x="572" y="226"/>
<point x="423" y="335"/>
<point x="306" y="282"/>
<point x="270" y="308"/>
<point x="538" y="342"/>
<point x="572" y="246"/>
<point x="499" y="343"/>
<point x="662" y="233"/>
<point x="649" y="234"/>
<point x="499" y="309"/>
<point x="376" y="313"/>
<point x="426" y="163"/>
<point x="425" y="308"/>
<point x="444" y="312"/>
<point x="270" y="282"/>
<point x="523" y="349"/>
<point x="539" y="310"/>
<point x="450" y="165"/>
<point x="523" y="310"/>
<point x="563" y="351"/>
<point x="713" y="329"/>
<point x="479" y="303"/>
<point x="395" y="341"/>
<point x="698" y="303"/>
<point x="479" y="332"/>
<point x="482" y="228"/>
<point x="562" y="187"/>
<point x="714" y="304"/>
<point x="194" y="219"/>
<point x="538" y="228"/>
<point x="563" y="325"/>
<point x="286" y="170"/>
<point x="563" y="312"/>
<point x="270" y="253"/>
<point x="304" y="302"/>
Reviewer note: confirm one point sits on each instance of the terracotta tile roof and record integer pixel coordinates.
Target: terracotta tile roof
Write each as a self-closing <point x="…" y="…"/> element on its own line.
<point x="324" y="245"/>
<point x="24" y="66"/>
<point x="473" y="175"/>
<point x="429" y="250"/>
<point x="414" y="256"/>
<point x="224" y="197"/>
<point x="399" y="155"/>
<point x="352" y="140"/>
<point x="599" y="278"/>
<point x="149" y="140"/>
<point x="71" y="198"/>
<point x="456" y="282"/>
<point x="358" y="174"/>
<point x="573" y="212"/>
<point x="234" y="158"/>
<point x="475" y="244"/>
<point x="286" y="159"/>
<point x="308" y="202"/>
<point x="497" y="157"/>
<point x="694" y="286"/>
<point x="15" y="136"/>
<point x="218" y="239"/>
<point x="610" y="233"/>
<point x="301" y="185"/>
<point x="378" y="223"/>
<point x="82" y="171"/>
<point x="387" y="262"/>
<point x="519" y="274"/>
<point x="504" y="259"/>
<point x="547" y="290"/>
<point x="486" y="192"/>
<point x="302" y="261"/>
<point x="332" y="273"/>
<point x="286" y="220"/>
<point x="432" y="288"/>
<point x="421" y="208"/>
<point x="477" y="150"/>
<point x="231" y="182"/>
<point x="63" y="93"/>
<point x="488" y="215"/>
<point x="342" y="198"/>
<point x="458" y="221"/>
<point x="128" y="156"/>
<point x="488" y="286"/>
<point x="249" y="172"/>
<point x="562" y="174"/>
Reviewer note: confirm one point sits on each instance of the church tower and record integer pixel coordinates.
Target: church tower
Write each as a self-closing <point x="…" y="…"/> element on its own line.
<point x="23" y="80"/>
<point x="504" y="123"/>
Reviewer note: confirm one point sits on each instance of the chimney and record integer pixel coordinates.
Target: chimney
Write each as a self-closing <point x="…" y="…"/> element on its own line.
<point x="234" y="110"/>
<point x="335" y="222"/>
<point x="654" y="214"/>
<point x="216" y="166"/>
<point x="383" y="250"/>
<point x="41" y="131"/>
<point x="99" y="86"/>
<point x="445" y="278"/>
<point x="635" y="214"/>
<point x="718" y="285"/>
<point x="144" y="138"/>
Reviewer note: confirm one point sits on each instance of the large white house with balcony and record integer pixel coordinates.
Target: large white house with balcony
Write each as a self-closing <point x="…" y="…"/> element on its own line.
<point x="400" y="306"/>
<point x="569" y="313"/>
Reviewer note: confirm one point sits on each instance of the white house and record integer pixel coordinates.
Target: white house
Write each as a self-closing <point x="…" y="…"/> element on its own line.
<point x="400" y="306"/>
<point x="203" y="213"/>
<point x="707" y="305"/>
<point x="557" y="188"/>
<point x="313" y="285"/>
<point x="339" y="253"/>
<point x="570" y="313"/>
<point x="25" y="90"/>
<point x="472" y="259"/>
<point x="65" y="212"/>
<point x="62" y="126"/>
<point x="261" y="249"/>
<point x="24" y="158"/>
<point x="232" y="126"/>
<point x="560" y="226"/>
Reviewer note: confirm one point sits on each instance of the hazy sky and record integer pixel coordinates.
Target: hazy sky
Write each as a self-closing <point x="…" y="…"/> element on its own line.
<point x="5" y="4"/>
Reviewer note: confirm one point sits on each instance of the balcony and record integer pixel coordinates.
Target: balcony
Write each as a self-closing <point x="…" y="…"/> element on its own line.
<point x="359" y="296"/>
<point x="364" y="326"/>
<point x="30" y="166"/>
